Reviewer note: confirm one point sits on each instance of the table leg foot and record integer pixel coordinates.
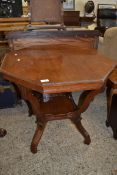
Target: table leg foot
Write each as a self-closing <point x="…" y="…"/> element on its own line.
<point x="37" y="136"/>
<point x="81" y="129"/>
<point x="115" y="134"/>
<point x="3" y="132"/>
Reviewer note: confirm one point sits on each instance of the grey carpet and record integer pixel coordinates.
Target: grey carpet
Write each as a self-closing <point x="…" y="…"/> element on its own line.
<point x="61" y="150"/>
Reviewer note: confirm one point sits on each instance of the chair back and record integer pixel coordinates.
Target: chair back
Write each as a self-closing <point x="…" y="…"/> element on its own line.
<point x="48" y="11"/>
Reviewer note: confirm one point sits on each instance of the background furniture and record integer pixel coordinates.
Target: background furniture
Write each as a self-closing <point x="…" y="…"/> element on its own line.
<point x="11" y="24"/>
<point x="71" y="18"/>
<point x="49" y="11"/>
<point x="106" y="18"/>
<point x="85" y="21"/>
<point x="15" y="24"/>
<point x="109" y="48"/>
<point x="11" y="8"/>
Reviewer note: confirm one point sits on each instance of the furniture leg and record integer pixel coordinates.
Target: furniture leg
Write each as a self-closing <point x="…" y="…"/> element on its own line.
<point x="81" y="129"/>
<point x="3" y="132"/>
<point x="114" y="133"/>
<point x="34" y="102"/>
<point x="37" y="136"/>
<point x="86" y="98"/>
<point x="84" y="101"/>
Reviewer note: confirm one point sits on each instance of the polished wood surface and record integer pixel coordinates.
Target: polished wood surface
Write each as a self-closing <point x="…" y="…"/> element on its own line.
<point x="15" y="19"/>
<point x="17" y="24"/>
<point x="18" y="40"/>
<point x="71" y="18"/>
<point x="13" y="24"/>
<point x="86" y="21"/>
<point x="62" y="65"/>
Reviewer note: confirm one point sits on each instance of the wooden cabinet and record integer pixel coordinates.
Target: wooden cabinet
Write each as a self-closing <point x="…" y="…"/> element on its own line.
<point x="85" y="21"/>
<point x="71" y="18"/>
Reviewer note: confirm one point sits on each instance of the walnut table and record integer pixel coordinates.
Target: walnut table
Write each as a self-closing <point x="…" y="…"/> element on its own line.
<point x="47" y="74"/>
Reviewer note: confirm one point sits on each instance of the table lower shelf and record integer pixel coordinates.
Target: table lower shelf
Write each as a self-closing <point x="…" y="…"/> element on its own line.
<point x="56" y="107"/>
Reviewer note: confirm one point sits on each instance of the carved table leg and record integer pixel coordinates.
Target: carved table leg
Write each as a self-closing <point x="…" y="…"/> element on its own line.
<point x="37" y="136"/>
<point x="3" y="132"/>
<point x="84" y="101"/>
<point x="81" y="129"/>
<point x="34" y="102"/>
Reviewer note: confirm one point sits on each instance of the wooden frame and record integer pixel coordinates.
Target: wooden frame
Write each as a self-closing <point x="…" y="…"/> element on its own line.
<point x="106" y="6"/>
<point x="69" y="5"/>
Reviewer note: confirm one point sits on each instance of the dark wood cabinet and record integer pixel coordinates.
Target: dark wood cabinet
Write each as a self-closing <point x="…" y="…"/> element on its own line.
<point x="85" y="20"/>
<point x="71" y="18"/>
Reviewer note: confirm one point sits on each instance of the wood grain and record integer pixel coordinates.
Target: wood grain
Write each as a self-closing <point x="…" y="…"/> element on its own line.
<point x="66" y="64"/>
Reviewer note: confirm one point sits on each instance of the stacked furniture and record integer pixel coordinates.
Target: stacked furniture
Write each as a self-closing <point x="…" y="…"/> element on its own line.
<point x="106" y="18"/>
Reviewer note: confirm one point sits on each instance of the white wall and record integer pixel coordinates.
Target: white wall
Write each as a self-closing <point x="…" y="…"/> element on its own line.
<point x="79" y="4"/>
<point x="24" y="3"/>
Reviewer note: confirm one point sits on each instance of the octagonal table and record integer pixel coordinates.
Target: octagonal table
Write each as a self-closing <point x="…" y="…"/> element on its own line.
<point x="46" y="75"/>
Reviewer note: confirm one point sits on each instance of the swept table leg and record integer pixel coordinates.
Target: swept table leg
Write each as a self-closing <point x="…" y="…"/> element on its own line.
<point x="82" y="130"/>
<point x="84" y="101"/>
<point x="37" y="136"/>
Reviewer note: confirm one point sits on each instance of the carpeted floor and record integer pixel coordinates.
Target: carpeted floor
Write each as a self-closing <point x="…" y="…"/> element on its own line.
<point x="61" y="150"/>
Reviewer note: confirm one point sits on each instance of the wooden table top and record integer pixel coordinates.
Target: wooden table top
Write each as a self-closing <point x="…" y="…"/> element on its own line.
<point x="57" y="66"/>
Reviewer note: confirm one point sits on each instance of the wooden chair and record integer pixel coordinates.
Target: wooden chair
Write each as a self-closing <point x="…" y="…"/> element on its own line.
<point x="50" y="12"/>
